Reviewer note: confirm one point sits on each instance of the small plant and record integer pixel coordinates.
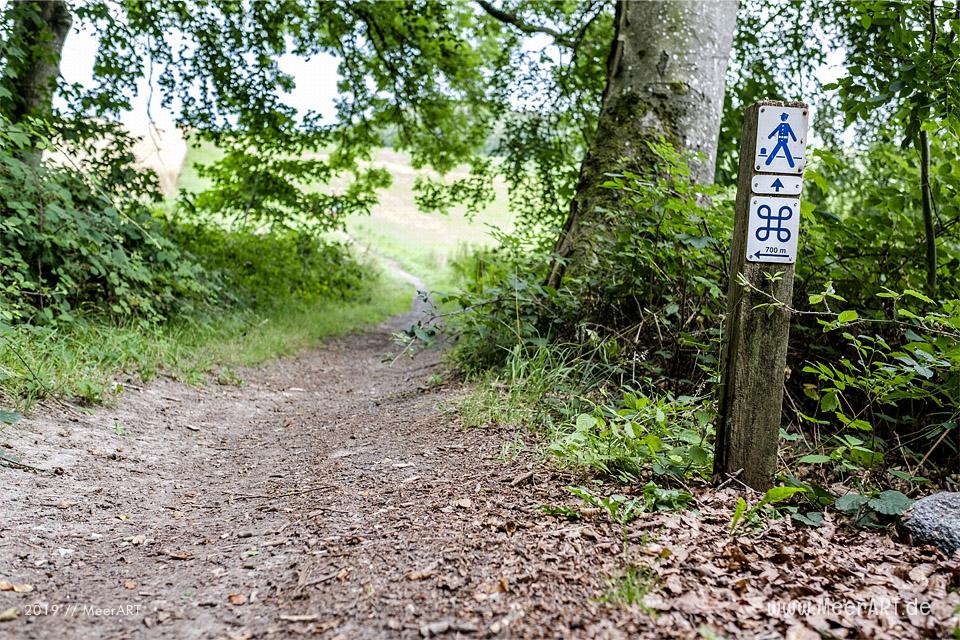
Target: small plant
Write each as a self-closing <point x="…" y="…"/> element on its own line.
<point x="668" y="436"/>
<point x="755" y="514"/>
<point x="620" y="508"/>
<point x="873" y="511"/>
<point x="512" y="449"/>
<point x="119" y="429"/>
<point x="562" y="511"/>
<point x="631" y="586"/>
<point x="227" y="377"/>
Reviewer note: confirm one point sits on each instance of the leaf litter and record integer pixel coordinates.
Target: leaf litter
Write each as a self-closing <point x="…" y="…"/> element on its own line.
<point x="350" y="547"/>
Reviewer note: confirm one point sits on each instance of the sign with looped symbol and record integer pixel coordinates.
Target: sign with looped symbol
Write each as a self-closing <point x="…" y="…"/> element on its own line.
<point x="772" y="231"/>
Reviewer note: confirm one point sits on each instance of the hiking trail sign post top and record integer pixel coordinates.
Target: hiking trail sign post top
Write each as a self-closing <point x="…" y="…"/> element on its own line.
<point x="781" y="140"/>
<point x="777" y="171"/>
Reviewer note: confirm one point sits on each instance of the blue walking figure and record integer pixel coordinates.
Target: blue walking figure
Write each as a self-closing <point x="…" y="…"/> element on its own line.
<point x="782" y="131"/>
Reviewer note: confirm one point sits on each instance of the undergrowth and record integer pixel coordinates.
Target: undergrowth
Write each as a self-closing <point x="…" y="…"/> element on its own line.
<point x="617" y="369"/>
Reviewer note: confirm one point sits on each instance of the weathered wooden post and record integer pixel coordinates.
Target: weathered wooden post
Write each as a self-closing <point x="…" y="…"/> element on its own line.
<point x="766" y="224"/>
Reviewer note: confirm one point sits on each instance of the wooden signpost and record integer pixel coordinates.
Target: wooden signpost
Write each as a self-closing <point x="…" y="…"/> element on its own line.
<point x="766" y="226"/>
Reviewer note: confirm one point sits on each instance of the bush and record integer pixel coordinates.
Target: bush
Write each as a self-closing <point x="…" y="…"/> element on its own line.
<point x="875" y="363"/>
<point x="260" y="269"/>
<point x="67" y="247"/>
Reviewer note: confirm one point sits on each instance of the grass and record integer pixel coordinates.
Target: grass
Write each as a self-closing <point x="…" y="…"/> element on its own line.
<point x="424" y="243"/>
<point x="631" y="586"/>
<point x="86" y="360"/>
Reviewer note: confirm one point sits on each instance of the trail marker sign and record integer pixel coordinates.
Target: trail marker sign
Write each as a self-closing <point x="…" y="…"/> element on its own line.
<point x="773" y="228"/>
<point x="778" y="185"/>
<point x="781" y="139"/>
<point x="765" y="233"/>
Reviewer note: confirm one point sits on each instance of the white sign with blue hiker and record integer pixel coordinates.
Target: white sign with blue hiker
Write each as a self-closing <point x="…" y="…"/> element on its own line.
<point x="772" y="230"/>
<point x="781" y="140"/>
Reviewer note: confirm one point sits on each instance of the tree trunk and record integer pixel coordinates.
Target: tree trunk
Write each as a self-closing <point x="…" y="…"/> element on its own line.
<point x="40" y="28"/>
<point x="665" y="78"/>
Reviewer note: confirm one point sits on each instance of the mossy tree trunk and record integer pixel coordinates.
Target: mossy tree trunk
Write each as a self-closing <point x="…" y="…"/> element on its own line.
<point x="665" y="79"/>
<point x="40" y="28"/>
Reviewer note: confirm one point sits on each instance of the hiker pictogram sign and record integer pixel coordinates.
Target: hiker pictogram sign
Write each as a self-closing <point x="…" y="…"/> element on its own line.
<point x="781" y="140"/>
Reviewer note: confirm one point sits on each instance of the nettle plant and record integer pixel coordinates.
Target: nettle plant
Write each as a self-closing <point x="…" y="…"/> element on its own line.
<point x="896" y="393"/>
<point x="643" y="435"/>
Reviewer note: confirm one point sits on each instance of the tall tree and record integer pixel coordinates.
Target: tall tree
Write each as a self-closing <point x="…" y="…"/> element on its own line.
<point x="38" y="30"/>
<point x="665" y="79"/>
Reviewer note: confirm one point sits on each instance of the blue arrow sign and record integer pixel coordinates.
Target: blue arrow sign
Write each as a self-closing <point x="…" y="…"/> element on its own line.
<point x="777" y="185"/>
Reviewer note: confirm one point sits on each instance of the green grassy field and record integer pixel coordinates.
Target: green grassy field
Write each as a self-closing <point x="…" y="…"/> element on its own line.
<point x="423" y="243"/>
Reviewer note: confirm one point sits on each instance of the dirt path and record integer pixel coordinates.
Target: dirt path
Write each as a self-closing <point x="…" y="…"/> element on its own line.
<point x="335" y="495"/>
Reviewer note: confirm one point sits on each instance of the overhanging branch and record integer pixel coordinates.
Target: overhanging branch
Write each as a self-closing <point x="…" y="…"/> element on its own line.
<point x="524" y="26"/>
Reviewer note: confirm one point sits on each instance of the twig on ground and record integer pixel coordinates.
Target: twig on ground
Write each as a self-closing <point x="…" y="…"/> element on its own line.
<point x="299" y="492"/>
<point x="23" y="465"/>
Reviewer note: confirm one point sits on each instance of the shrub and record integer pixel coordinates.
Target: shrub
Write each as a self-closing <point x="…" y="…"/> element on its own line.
<point x="68" y="247"/>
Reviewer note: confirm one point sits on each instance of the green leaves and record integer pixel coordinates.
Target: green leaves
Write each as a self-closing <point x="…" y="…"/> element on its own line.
<point x="773" y="496"/>
<point x="847" y="316"/>
<point x="890" y="502"/>
<point x="863" y="508"/>
<point x="9" y="417"/>
<point x="663" y="435"/>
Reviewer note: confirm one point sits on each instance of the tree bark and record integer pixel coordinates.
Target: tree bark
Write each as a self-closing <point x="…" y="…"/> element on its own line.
<point x="665" y="79"/>
<point x="40" y="28"/>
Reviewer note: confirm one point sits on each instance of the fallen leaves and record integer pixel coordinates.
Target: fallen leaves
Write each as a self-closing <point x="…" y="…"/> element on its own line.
<point x="422" y="574"/>
<point x="10" y="614"/>
<point x="16" y="588"/>
<point x="237" y="599"/>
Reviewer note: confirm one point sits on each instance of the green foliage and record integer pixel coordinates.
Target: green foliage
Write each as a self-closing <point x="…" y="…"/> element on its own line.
<point x="640" y="436"/>
<point x="863" y="224"/>
<point x="68" y="247"/>
<point x="631" y="586"/>
<point x="620" y="508"/>
<point x="654" y="298"/>
<point x="744" y="514"/>
<point x="659" y="271"/>
<point x="505" y="306"/>
<point x="257" y="185"/>
<point x="255" y="270"/>
<point x="537" y="390"/>
<point x="562" y="511"/>
<point x="875" y="509"/>
<point x="876" y="392"/>
<point x="903" y="58"/>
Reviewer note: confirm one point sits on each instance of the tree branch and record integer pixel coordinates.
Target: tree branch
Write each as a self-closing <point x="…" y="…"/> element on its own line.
<point x="520" y="24"/>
